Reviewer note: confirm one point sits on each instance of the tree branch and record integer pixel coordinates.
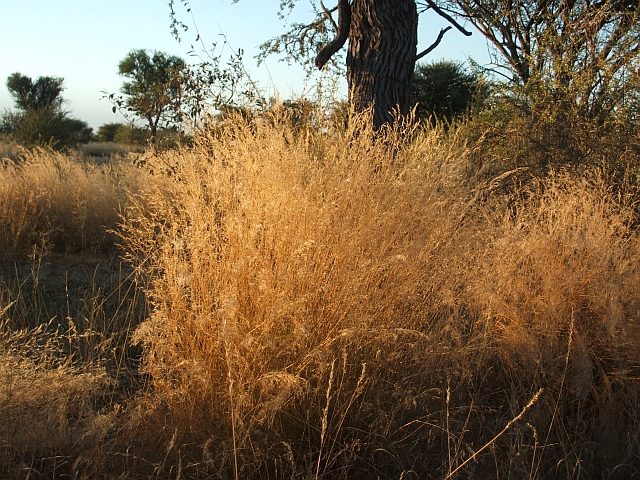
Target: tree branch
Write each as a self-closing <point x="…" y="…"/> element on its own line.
<point x="449" y="19"/>
<point x="329" y="17"/>
<point x="434" y="44"/>
<point x="344" y="23"/>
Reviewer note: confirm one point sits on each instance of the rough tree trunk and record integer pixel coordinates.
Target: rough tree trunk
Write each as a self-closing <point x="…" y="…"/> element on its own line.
<point x="383" y="38"/>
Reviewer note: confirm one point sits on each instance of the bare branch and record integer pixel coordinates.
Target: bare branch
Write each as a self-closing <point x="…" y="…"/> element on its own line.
<point x="329" y="17"/>
<point x="434" y="44"/>
<point x="448" y="18"/>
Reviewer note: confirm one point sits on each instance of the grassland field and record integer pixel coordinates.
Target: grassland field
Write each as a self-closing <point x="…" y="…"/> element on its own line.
<point x="273" y="302"/>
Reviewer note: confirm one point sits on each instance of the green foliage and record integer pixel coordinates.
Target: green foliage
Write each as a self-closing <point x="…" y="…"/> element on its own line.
<point x="135" y="136"/>
<point x="174" y="98"/>
<point x="131" y="135"/>
<point x="574" y="81"/>
<point x="108" y="131"/>
<point x="443" y="89"/>
<point x="154" y="89"/>
<point x="529" y="129"/>
<point x="45" y="127"/>
<point x="29" y="95"/>
<point x="40" y="120"/>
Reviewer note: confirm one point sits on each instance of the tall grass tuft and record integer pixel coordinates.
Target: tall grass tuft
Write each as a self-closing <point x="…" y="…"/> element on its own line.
<point x="297" y="282"/>
<point x="52" y="420"/>
<point x="61" y="203"/>
<point x="560" y="290"/>
<point x="345" y="305"/>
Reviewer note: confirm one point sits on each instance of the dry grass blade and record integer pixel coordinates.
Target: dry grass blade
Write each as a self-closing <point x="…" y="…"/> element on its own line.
<point x="506" y="428"/>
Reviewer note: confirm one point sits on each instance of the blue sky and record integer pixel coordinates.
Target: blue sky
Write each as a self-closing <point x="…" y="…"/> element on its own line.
<point x="83" y="41"/>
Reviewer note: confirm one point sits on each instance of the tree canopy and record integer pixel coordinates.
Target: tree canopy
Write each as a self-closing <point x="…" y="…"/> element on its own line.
<point x="154" y="89"/>
<point x="585" y="51"/>
<point x="29" y="95"/>
<point x="40" y="119"/>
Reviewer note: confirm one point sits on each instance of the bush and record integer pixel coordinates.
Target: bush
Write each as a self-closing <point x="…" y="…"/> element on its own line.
<point x="131" y="135"/>
<point x="108" y="131"/>
<point x="535" y="130"/>
<point x="45" y="127"/>
<point x="443" y="90"/>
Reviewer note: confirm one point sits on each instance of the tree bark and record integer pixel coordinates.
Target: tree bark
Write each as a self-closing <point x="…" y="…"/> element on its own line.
<point x="342" y="33"/>
<point x="382" y="53"/>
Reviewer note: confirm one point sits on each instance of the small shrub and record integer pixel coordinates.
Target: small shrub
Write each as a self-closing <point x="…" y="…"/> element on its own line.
<point x="46" y="128"/>
<point x="108" y="131"/>
<point x="531" y="128"/>
<point x="131" y="135"/>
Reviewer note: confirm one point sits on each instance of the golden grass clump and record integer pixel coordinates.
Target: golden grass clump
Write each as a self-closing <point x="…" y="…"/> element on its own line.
<point x="52" y="422"/>
<point x="559" y="289"/>
<point x="330" y="305"/>
<point x="296" y="283"/>
<point x="341" y="304"/>
<point x="60" y="202"/>
<point x="9" y="150"/>
<point x="564" y="265"/>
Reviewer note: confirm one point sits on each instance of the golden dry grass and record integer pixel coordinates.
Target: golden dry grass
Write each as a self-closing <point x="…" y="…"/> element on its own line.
<point x="62" y="203"/>
<point x="48" y="406"/>
<point x="345" y="305"/>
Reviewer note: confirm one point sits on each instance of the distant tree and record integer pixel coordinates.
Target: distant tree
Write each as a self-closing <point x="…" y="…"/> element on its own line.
<point x="108" y="131"/>
<point x="154" y="89"/>
<point x="444" y="89"/>
<point x="40" y="119"/>
<point x="29" y="95"/>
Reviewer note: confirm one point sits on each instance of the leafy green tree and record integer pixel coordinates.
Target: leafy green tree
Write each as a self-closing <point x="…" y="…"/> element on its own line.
<point x="29" y="95"/>
<point x="443" y="89"/>
<point x="108" y="131"/>
<point x="154" y="89"/>
<point x="46" y="127"/>
<point x="40" y="119"/>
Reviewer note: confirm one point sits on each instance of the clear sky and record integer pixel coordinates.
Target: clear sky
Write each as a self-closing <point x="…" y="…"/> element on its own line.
<point x="84" y="40"/>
